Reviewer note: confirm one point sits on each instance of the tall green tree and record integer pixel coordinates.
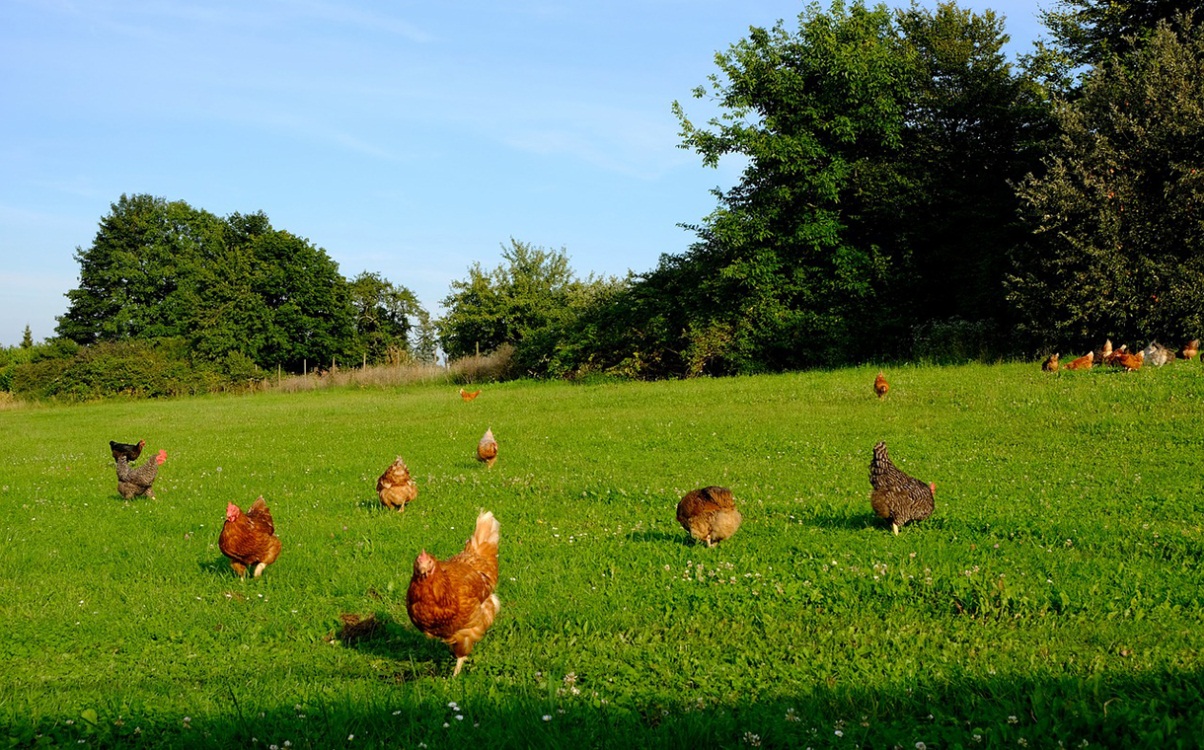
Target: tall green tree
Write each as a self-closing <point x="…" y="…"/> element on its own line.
<point x="780" y="281"/>
<point x="1090" y="32"/>
<point x="135" y="278"/>
<point x="384" y="316"/>
<point x="1118" y="248"/>
<point x="528" y="292"/>
<point x="879" y="147"/>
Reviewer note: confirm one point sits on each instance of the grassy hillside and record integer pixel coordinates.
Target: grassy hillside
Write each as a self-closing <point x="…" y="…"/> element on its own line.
<point x="1056" y="596"/>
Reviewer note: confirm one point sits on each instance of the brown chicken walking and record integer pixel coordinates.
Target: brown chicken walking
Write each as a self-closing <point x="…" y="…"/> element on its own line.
<point x="881" y="386"/>
<point x="487" y="448"/>
<point x="453" y="599"/>
<point x="249" y="539"/>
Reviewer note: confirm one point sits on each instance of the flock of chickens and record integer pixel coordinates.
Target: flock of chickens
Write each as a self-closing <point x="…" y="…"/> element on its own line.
<point x="1155" y="354"/>
<point x="453" y="600"/>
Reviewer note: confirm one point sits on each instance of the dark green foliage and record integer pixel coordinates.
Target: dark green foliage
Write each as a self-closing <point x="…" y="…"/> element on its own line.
<point x="1089" y="32"/>
<point x="129" y="368"/>
<point x="236" y="289"/>
<point x="135" y="279"/>
<point x="532" y="301"/>
<point x="876" y="196"/>
<point x="1118" y="248"/>
<point x="382" y="317"/>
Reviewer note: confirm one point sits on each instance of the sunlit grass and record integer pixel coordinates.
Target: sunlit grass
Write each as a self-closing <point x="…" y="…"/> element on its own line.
<point x="1055" y="595"/>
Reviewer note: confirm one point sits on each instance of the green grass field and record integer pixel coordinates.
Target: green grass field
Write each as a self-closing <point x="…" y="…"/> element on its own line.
<point x="1055" y="598"/>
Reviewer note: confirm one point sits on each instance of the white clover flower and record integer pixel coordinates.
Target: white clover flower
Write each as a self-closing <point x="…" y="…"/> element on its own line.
<point x="921" y="746"/>
<point x="547" y="717"/>
<point x="1013" y="720"/>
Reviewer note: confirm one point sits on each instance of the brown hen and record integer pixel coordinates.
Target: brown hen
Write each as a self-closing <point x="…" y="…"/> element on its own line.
<point x="897" y="497"/>
<point x="487" y="448"/>
<point x="881" y="386"/>
<point x="396" y="487"/>
<point x="1082" y="363"/>
<point x="469" y="395"/>
<point x="453" y="599"/>
<point x="249" y="539"/>
<point x="1051" y="363"/>
<point x="709" y="514"/>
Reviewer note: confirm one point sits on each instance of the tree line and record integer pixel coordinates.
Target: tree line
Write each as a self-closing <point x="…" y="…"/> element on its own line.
<point x="909" y="193"/>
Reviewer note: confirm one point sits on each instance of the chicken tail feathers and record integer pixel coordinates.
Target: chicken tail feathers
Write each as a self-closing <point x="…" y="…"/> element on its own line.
<point x="484" y="540"/>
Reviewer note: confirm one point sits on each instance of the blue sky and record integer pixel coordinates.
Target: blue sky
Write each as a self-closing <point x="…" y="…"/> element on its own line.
<point x="405" y="138"/>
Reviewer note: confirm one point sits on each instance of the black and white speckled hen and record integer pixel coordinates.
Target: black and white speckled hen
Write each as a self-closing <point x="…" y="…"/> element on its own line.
<point x="136" y="481"/>
<point x="897" y="497"/>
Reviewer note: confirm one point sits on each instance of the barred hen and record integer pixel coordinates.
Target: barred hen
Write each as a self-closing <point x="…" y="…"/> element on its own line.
<point x="131" y="452"/>
<point x="897" y="497"/>
<point x="453" y="599"/>
<point x="881" y="386"/>
<point x="396" y="487"/>
<point x="709" y="514"/>
<point x="249" y="539"/>
<point x="487" y="448"/>
<point x="132" y="482"/>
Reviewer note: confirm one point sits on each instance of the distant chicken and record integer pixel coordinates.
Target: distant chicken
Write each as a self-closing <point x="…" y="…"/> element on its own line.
<point x="453" y="599"/>
<point x="1189" y="350"/>
<point x="249" y="539"/>
<point x="1131" y="362"/>
<point x="1051" y="363"/>
<point x="396" y="487"/>
<point x="1157" y="355"/>
<point x="881" y="386"/>
<point x="131" y="452"/>
<point x="132" y="482"/>
<point x="897" y="497"/>
<point x="469" y="395"/>
<point x="487" y="448"/>
<point x="1114" y="357"/>
<point x="1082" y="363"/>
<point x="1104" y="353"/>
<point x="709" y="514"/>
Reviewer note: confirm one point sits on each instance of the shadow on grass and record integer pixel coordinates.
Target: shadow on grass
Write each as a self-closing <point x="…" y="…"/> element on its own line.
<point x="659" y="537"/>
<point x="412" y="655"/>
<point x="219" y="566"/>
<point x="411" y="709"/>
<point x="847" y="521"/>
